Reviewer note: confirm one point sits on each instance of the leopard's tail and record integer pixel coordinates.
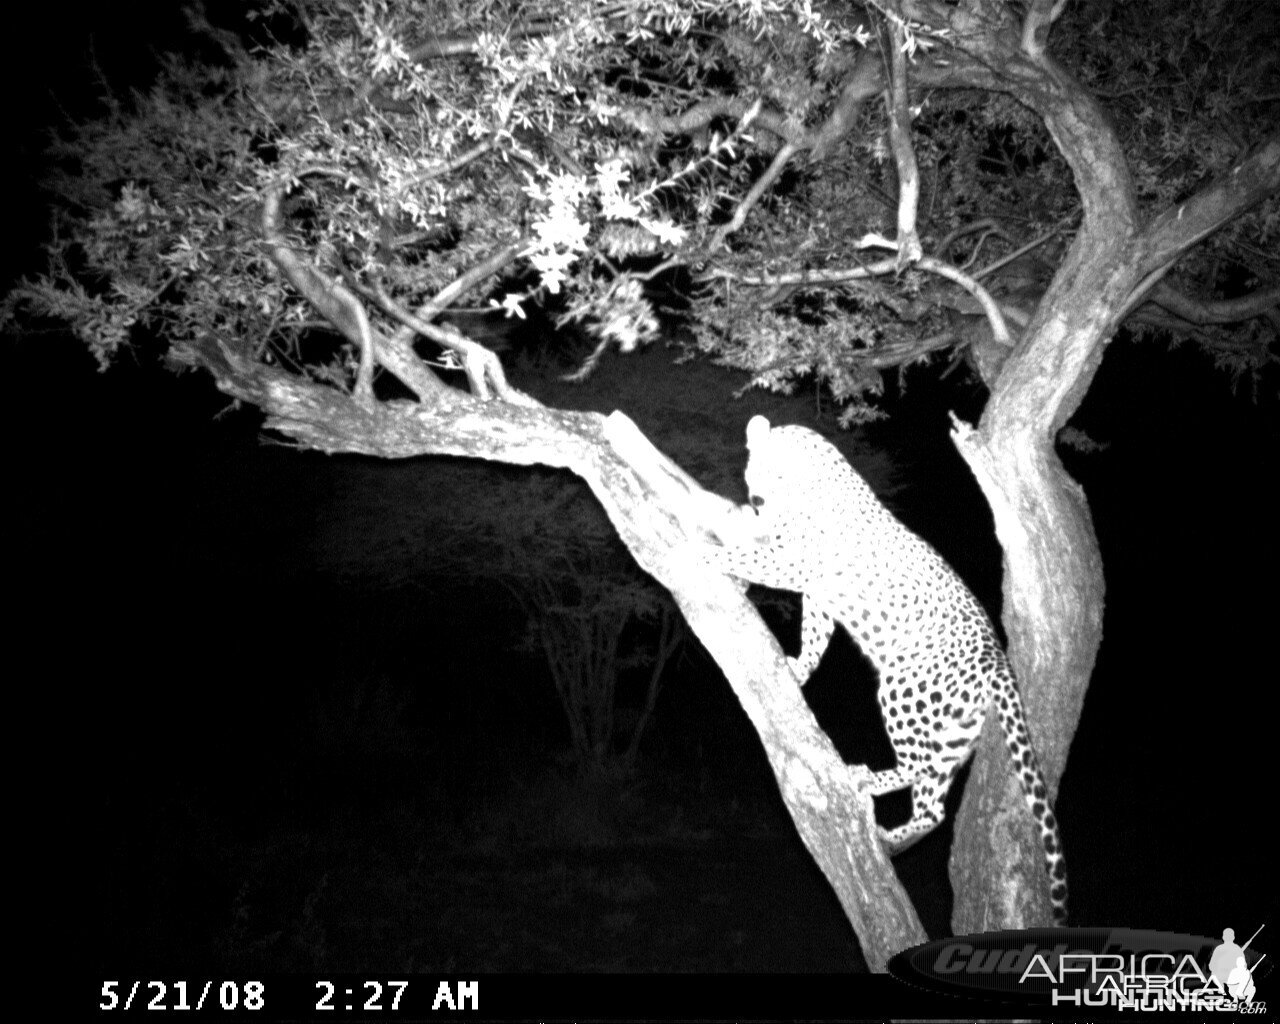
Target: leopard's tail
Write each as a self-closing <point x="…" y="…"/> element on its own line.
<point x="1013" y="721"/>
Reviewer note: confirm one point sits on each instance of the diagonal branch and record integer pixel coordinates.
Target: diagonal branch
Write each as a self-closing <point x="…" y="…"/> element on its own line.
<point x="334" y="302"/>
<point x="487" y="267"/>
<point x="752" y="197"/>
<point x="344" y="311"/>
<point x="481" y="365"/>
<point x="1183" y="226"/>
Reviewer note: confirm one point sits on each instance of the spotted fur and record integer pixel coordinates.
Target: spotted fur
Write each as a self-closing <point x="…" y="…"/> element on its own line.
<point x="940" y="663"/>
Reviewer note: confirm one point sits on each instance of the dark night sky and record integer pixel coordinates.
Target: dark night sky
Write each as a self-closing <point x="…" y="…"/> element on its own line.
<point x="174" y="632"/>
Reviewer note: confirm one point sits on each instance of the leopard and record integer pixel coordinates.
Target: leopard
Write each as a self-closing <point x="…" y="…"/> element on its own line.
<point x="819" y="530"/>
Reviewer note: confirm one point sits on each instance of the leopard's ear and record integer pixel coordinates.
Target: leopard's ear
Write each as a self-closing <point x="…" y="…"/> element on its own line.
<point x="757" y="431"/>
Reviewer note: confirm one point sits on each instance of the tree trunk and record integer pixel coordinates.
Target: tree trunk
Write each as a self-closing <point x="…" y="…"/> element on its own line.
<point x="1053" y="581"/>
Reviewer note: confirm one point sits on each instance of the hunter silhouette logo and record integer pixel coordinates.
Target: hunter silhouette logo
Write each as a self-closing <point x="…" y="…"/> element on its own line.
<point x="1229" y="971"/>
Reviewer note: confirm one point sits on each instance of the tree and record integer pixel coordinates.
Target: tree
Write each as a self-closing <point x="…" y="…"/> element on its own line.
<point x="298" y="219"/>
<point x="578" y="620"/>
<point x="590" y="613"/>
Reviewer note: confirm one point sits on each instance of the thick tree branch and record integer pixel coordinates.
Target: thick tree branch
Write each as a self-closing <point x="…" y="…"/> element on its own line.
<point x="1216" y="311"/>
<point x="1253" y="347"/>
<point x="1035" y="26"/>
<point x="399" y="358"/>
<point x="332" y="300"/>
<point x="1183" y="226"/>
<point x="989" y="306"/>
<point x="1042" y="518"/>
<point x="985" y="54"/>
<point x="904" y="155"/>
<point x="861" y="85"/>
<point x="340" y="307"/>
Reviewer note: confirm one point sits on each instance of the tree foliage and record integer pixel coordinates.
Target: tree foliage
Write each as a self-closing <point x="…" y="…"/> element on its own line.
<point x="498" y="154"/>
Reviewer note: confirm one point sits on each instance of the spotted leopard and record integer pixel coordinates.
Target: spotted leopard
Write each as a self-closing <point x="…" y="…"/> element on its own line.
<point x="822" y="532"/>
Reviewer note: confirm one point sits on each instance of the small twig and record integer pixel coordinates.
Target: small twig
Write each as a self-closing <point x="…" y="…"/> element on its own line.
<point x="753" y="196"/>
<point x="989" y="305"/>
<point x="1035" y="243"/>
<point x="456" y="164"/>
<point x="444" y="298"/>
<point x="482" y="366"/>
<point x="985" y="224"/>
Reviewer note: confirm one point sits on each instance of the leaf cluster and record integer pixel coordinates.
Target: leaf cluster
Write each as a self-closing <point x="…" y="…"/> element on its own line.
<point x="609" y="144"/>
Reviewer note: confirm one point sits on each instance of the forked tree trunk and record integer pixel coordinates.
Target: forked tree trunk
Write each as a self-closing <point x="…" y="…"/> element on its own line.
<point x="1053" y="578"/>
